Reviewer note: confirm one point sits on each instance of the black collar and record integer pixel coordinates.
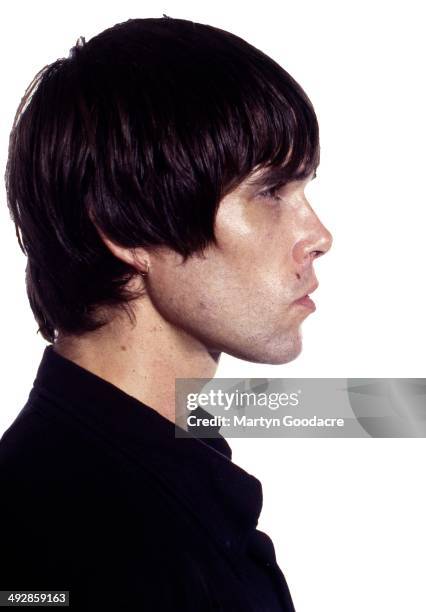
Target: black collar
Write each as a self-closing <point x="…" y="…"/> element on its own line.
<point x="221" y="496"/>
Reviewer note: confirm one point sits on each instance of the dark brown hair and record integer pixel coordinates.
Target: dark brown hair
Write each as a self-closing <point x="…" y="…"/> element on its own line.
<point x="142" y="130"/>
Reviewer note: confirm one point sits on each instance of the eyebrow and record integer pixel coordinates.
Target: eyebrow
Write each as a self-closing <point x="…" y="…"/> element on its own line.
<point x="274" y="176"/>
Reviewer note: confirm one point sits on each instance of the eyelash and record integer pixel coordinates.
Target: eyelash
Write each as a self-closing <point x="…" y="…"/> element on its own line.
<point x="270" y="193"/>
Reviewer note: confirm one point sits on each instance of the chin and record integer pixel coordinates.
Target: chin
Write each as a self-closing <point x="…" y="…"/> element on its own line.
<point x="272" y="352"/>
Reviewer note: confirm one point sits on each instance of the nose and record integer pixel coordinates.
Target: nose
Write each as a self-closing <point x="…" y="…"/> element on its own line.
<point x="317" y="243"/>
<point x="323" y="243"/>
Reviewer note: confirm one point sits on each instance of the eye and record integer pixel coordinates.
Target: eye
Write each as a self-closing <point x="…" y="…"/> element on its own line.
<point x="270" y="193"/>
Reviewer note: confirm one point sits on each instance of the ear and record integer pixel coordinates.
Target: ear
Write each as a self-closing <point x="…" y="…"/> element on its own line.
<point x="138" y="257"/>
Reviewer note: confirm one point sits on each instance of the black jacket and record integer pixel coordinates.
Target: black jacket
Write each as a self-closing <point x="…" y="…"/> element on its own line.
<point x="99" y="497"/>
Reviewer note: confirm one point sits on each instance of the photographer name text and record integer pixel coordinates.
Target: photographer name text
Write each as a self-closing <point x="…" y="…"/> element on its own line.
<point x="264" y="422"/>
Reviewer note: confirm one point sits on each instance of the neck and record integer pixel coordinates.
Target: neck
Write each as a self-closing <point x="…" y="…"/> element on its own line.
<point x="143" y="359"/>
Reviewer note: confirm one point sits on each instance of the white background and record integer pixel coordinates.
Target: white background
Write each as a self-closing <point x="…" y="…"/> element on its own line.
<point x="347" y="516"/>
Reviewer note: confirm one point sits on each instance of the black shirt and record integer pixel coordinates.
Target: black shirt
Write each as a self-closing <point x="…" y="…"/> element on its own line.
<point x="99" y="497"/>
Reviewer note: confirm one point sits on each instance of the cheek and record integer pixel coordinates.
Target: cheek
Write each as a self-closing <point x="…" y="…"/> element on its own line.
<point x="249" y="269"/>
<point x="181" y="290"/>
<point x="255" y="236"/>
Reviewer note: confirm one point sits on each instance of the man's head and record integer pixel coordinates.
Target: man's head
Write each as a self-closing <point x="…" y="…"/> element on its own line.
<point x="154" y="143"/>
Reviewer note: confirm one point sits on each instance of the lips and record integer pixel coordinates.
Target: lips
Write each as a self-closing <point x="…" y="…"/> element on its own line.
<point x="310" y="290"/>
<point x="305" y="300"/>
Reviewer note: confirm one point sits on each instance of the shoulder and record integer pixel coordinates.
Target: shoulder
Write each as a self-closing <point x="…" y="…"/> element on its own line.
<point x="75" y="511"/>
<point x="58" y="478"/>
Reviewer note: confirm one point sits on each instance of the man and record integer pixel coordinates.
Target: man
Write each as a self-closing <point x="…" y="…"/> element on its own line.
<point x="156" y="179"/>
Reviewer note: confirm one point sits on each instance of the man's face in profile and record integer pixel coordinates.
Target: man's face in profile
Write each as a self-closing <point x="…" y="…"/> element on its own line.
<point x="239" y="297"/>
